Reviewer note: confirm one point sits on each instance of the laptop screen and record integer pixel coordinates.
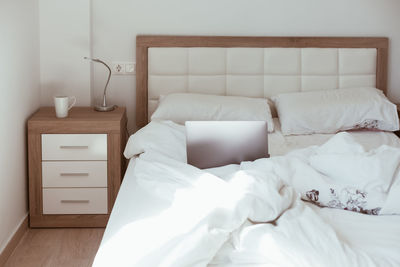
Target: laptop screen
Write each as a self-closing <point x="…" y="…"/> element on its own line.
<point x="217" y="143"/>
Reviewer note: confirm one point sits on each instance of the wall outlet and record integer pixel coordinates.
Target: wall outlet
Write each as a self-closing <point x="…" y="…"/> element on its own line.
<point x="123" y="68"/>
<point x="118" y="68"/>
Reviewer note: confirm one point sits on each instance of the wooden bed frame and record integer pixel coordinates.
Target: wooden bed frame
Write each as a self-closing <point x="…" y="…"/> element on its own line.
<point x="143" y="42"/>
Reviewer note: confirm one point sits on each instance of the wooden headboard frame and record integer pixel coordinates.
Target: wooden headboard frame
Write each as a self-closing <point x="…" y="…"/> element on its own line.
<point x="143" y="42"/>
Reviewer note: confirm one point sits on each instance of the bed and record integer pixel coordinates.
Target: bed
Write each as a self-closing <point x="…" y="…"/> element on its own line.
<point x="169" y="213"/>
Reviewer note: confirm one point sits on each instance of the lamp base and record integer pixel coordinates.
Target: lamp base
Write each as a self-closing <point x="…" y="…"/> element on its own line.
<point x="104" y="108"/>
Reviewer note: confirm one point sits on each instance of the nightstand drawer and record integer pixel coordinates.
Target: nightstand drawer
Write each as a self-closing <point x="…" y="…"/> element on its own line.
<point x="74" y="173"/>
<point x="75" y="201"/>
<point x="74" y="146"/>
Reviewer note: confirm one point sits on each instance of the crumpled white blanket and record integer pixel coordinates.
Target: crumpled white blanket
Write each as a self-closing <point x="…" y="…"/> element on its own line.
<point x="254" y="216"/>
<point x="204" y="210"/>
<point x="340" y="174"/>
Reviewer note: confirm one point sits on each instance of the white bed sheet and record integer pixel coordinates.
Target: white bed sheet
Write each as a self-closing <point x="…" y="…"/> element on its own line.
<point x="133" y="204"/>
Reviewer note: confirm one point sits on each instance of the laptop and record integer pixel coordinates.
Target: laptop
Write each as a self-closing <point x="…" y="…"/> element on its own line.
<point x="212" y="144"/>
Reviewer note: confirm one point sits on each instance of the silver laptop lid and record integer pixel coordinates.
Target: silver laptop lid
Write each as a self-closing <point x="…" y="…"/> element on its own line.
<point x="217" y="143"/>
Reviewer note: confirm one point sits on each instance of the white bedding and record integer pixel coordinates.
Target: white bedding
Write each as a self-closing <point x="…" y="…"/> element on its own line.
<point x="164" y="216"/>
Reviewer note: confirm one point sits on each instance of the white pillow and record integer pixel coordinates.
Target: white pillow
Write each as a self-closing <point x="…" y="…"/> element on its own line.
<point x="331" y="111"/>
<point x="200" y="107"/>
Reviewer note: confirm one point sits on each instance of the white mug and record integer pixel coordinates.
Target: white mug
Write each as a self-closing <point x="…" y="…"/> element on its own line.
<point x="62" y="105"/>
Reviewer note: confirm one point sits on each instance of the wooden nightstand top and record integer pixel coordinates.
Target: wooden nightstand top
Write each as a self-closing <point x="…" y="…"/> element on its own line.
<point x="79" y="120"/>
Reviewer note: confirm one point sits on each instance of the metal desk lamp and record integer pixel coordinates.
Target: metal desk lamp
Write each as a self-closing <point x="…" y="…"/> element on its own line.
<point x="103" y="106"/>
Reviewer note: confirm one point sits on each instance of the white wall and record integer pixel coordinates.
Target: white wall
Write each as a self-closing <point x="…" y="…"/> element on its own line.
<point x="64" y="41"/>
<point x="116" y="23"/>
<point x="20" y="96"/>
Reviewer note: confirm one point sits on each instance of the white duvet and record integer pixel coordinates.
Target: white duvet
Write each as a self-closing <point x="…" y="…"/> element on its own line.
<point x="254" y="215"/>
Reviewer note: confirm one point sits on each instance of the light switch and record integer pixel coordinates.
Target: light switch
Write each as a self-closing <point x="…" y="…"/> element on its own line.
<point x="130" y="68"/>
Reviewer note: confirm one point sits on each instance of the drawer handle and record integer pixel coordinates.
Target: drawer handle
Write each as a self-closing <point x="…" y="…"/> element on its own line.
<point x="74" y="147"/>
<point x="74" y="201"/>
<point x="74" y="174"/>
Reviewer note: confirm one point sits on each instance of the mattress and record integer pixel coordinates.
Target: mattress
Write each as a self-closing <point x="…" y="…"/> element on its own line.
<point x="133" y="204"/>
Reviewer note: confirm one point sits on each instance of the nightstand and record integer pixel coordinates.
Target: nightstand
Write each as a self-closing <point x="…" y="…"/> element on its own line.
<point x="75" y="166"/>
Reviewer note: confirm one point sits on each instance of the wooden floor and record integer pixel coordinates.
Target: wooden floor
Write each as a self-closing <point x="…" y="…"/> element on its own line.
<point x="57" y="248"/>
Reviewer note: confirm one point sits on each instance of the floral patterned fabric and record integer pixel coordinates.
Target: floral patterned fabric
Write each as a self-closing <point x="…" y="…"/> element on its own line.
<point x="347" y="199"/>
<point x="368" y="124"/>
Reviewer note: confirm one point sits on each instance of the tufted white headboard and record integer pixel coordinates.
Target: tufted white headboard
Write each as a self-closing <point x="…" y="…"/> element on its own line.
<point x="253" y="66"/>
